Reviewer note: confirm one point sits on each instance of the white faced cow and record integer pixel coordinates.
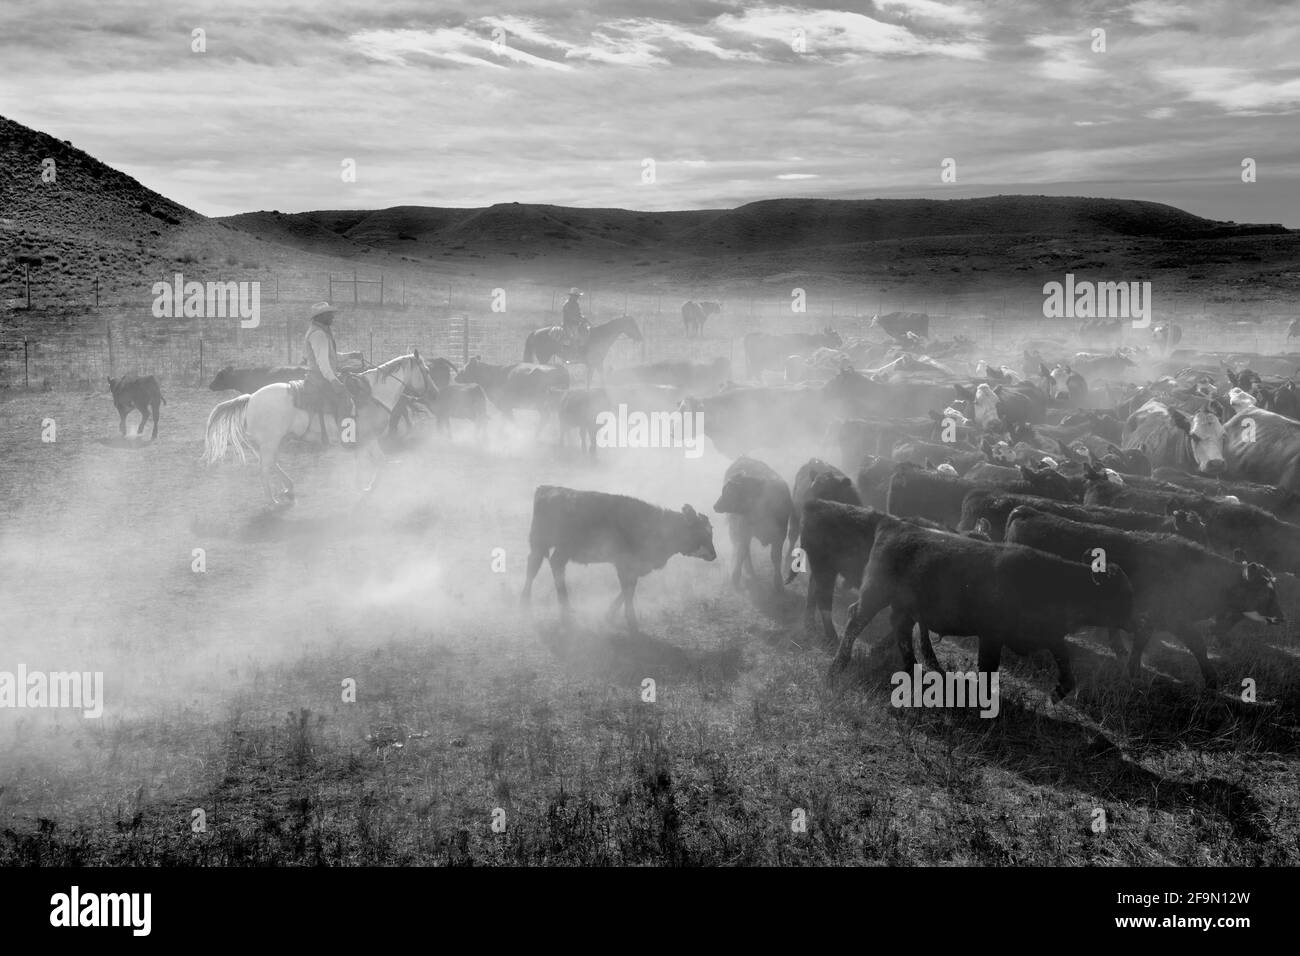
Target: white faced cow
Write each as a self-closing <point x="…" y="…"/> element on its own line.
<point x="1264" y="447"/>
<point x="1170" y="439"/>
<point x="1063" y="384"/>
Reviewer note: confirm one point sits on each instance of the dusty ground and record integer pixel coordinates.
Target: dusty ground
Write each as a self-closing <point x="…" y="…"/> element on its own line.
<point x="224" y="688"/>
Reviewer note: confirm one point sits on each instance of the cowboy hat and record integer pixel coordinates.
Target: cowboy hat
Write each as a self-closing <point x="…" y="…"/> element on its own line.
<point x="575" y="291"/>
<point x="322" y="308"/>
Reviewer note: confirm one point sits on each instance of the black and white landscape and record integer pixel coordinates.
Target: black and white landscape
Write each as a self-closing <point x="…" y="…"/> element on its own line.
<point x="924" y="488"/>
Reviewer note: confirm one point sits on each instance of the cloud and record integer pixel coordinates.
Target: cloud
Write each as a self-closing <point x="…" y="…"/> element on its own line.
<point x="930" y="10"/>
<point x="1234" y="90"/>
<point x="797" y="176"/>
<point x="1160" y="13"/>
<point x="455" y="45"/>
<point x="841" y="34"/>
<point x="1066" y="57"/>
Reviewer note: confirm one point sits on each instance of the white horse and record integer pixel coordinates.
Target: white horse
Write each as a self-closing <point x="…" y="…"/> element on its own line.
<point x="260" y="422"/>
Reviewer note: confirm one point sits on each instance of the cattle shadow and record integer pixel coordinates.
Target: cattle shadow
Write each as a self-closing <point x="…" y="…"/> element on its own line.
<point x="782" y="607"/>
<point x="626" y="657"/>
<point x="1049" y="745"/>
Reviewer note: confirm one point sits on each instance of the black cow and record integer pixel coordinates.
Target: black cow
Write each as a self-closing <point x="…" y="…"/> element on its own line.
<point x="855" y="395"/>
<point x="914" y="491"/>
<point x="1175" y="583"/>
<point x="743" y="419"/>
<point x="1279" y="501"/>
<point x="694" y="315"/>
<point x="1127" y="461"/>
<point x="456" y="400"/>
<point x="246" y="381"/>
<point x="873" y="481"/>
<point x="137" y="393"/>
<point x="694" y="378"/>
<point x="1284" y="398"/>
<point x="1166" y="336"/>
<point x="819" y="479"/>
<point x="837" y="540"/>
<point x="522" y="385"/>
<point x="763" y="351"/>
<point x="1007" y="596"/>
<point x="993" y="507"/>
<point x="962" y="457"/>
<point x="591" y="527"/>
<point x="1228" y="525"/>
<point x="757" y="503"/>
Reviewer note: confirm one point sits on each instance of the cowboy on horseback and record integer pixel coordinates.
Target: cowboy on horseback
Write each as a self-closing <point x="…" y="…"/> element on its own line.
<point x="324" y="387"/>
<point x="576" y="328"/>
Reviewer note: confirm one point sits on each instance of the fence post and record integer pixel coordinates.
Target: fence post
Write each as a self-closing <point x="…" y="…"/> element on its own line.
<point x="465" y="355"/>
<point x="108" y="336"/>
<point x="355" y="300"/>
<point x="26" y="381"/>
<point x="381" y="288"/>
<point x="97" y="292"/>
<point x="277" y="289"/>
<point x="27" y="282"/>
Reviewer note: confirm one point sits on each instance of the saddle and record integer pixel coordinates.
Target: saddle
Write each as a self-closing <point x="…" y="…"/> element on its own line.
<point x="303" y="398"/>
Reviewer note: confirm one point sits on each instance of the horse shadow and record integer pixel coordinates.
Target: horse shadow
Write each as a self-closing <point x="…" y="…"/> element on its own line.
<point x="128" y="441"/>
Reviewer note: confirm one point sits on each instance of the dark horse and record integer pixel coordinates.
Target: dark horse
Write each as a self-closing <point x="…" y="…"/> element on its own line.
<point x="543" y="345"/>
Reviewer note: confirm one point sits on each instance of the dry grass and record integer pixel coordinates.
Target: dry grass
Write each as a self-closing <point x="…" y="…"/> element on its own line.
<point x="224" y="689"/>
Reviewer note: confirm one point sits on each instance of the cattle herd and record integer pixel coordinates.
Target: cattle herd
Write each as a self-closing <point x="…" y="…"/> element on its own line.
<point x="1140" y="489"/>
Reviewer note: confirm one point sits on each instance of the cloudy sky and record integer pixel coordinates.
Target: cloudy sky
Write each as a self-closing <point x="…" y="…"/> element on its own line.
<point x="446" y="103"/>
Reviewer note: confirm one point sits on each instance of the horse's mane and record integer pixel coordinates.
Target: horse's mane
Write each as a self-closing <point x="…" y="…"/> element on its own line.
<point x="389" y="367"/>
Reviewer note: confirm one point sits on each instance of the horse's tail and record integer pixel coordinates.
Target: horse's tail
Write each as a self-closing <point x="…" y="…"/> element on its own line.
<point x="529" y="353"/>
<point x="226" y="429"/>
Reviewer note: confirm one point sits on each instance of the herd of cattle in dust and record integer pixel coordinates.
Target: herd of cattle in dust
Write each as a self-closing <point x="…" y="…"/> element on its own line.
<point x="1107" y="478"/>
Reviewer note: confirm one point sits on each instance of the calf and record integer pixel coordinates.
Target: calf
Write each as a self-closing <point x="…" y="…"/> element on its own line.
<point x="757" y="503"/>
<point x="836" y="539"/>
<point x="873" y="481"/>
<point x="135" y="393"/>
<point x="961" y="457"/>
<point x="1228" y="525"/>
<point x="591" y="527"/>
<point x="818" y="479"/>
<point x="1281" y="502"/>
<point x="246" y="381"/>
<point x="696" y="378"/>
<point x="1175" y="583"/>
<point x="992" y="507"/>
<point x="939" y="497"/>
<point x="1007" y="596"/>
<point x="457" y="400"/>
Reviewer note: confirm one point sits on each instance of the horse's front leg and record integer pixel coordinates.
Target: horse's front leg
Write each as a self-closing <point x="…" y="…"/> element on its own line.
<point x="374" y="455"/>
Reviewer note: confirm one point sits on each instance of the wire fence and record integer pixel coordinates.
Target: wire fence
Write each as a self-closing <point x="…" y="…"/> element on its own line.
<point x="79" y="348"/>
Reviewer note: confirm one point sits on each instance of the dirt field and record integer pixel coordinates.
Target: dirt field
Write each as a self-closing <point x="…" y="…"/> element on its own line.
<point x="224" y="689"/>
